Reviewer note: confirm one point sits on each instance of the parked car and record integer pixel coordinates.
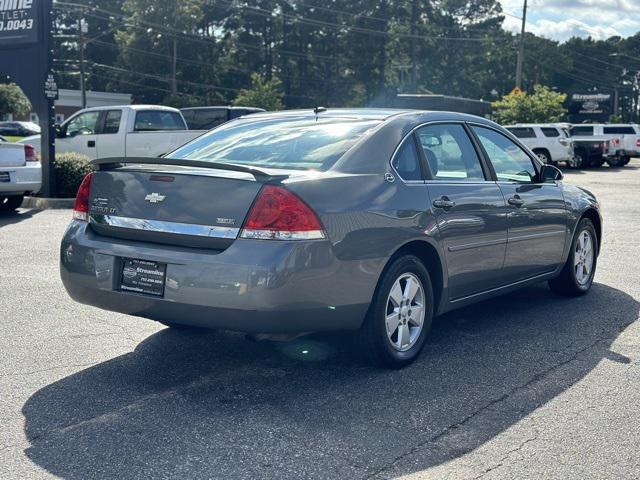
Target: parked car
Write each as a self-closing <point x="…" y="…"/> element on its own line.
<point x="124" y="131"/>
<point x="550" y="142"/>
<point x="20" y="174"/>
<point x="206" y="118"/>
<point x="625" y="139"/>
<point x="355" y="219"/>
<point x="19" y="129"/>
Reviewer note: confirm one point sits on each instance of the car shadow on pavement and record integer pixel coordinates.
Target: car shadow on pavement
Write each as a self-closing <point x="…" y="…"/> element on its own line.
<point x="214" y="405"/>
<point x="9" y="218"/>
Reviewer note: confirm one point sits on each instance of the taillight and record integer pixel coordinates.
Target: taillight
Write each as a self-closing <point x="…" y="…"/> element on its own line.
<point x="81" y="205"/>
<point x="638" y="142"/>
<point x="616" y="141"/>
<point x="30" y="153"/>
<point x="278" y="214"/>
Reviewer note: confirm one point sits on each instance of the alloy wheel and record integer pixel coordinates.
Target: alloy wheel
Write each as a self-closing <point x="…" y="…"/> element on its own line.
<point x="583" y="257"/>
<point x="405" y="312"/>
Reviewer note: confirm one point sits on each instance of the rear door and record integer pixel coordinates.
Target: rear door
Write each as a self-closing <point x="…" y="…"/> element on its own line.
<point x="537" y="217"/>
<point x="110" y="134"/>
<point x="469" y="207"/>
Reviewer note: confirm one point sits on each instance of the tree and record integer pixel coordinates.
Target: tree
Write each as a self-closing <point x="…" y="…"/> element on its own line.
<point x="542" y="106"/>
<point x="262" y="94"/>
<point x="13" y="101"/>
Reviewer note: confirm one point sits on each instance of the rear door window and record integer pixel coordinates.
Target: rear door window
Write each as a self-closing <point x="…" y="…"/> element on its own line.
<point x="582" y="131"/>
<point x="156" y="120"/>
<point x="509" y="161"/>
<point x="522" y="132"/>
<point x="550" y="132"/>
<point x="206" y="119"/>
<point x="450" y="153"/>
<point x="617" y="130"/>
<point x="112" y="121"/>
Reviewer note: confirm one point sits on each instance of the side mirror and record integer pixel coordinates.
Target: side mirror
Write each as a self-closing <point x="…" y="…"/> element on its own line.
<point x="58" y="130"/>
<point x="549" y="173"/>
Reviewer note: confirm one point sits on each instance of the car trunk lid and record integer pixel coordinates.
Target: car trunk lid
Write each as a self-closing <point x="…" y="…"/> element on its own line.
<point x="12" y="155"/>
<point x="172" y="202"/>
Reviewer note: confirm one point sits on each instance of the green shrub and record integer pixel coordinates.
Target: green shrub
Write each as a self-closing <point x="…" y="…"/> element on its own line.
<point x="70" y="169"/>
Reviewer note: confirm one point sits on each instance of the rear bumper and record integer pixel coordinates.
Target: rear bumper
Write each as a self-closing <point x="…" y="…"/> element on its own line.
<point x="252" y="286"/>
<point x="22" y="179"/>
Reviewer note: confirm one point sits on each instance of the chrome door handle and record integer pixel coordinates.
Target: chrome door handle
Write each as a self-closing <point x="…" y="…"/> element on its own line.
<point x="516" y="201"/>
<point x="444" y="202"/>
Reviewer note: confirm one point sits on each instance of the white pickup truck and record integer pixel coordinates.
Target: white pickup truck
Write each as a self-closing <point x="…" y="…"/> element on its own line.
<point x="123" y="131"/>
<point x="625" y="139"/>
<point x="20" y="174"/>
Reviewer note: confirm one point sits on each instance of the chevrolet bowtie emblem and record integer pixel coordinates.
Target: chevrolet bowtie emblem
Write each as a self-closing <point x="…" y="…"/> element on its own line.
<point x="154" y="197"/>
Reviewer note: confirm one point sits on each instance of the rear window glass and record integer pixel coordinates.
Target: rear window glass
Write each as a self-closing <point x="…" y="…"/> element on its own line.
<point x="522" y="132"/>
<point x="152" y="120"/>
<point x="297" y="143"/>
<point x="619" y="130"/>
<point x="582" y="131"/>
<point x="550" y="132"/>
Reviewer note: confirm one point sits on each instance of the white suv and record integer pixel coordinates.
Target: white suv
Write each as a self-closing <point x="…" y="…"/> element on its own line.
<point x="549" y="141"/>
<point x="20" y="174"/>
<point x="625" y="137"/>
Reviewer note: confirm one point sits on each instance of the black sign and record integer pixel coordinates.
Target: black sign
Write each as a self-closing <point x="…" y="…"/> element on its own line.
<point x="596" y="107"/>
<point x="142" y="276"/>
<point x="50" y="87"/>
<point x="18" y="22"/>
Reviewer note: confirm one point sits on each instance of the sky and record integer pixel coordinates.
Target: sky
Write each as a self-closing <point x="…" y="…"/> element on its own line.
<point x="562" y="19"/>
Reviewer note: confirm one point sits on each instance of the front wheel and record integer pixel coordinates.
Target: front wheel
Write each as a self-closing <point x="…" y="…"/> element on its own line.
<point x="400" y="314"/>
<point x="543" y="156"/>
<point x="577" y="274"/>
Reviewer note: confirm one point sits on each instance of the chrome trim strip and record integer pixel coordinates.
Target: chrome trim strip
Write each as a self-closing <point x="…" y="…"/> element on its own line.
<point x="160" y="226"/>
<point x="532" y="236"/>
<point x="485" y="243"/>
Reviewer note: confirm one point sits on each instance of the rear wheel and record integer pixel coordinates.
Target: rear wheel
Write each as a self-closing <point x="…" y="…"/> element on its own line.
<point x="9" y="204"/>
<point x="582" y="159"/>
<point x="543" y="156"/>
<point x="616" y="161"/>
<point x="577" y="275"/>
<point x="627" y="160"/>
<point x="400" y="315"/>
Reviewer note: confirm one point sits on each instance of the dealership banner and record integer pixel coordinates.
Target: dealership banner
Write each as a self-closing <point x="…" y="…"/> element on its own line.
<point x="18" y="22"/>
<point x="590" y="107"/>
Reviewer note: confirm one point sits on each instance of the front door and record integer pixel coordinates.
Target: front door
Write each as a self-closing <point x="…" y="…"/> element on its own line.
<point x="537" y="217"/>
<point x="79" y="134"/>
<point x="469" y="208"/>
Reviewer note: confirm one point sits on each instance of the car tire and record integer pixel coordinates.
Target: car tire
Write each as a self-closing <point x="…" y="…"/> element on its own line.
<point x="572" y="281"/>
<point x="543" y="156"/>
<point x="398" y="342"/>
<point x="616" y="161"/>
<point x="582" y="159"/>
<point x="627" y="160"/>
<point x="9" y="204"/>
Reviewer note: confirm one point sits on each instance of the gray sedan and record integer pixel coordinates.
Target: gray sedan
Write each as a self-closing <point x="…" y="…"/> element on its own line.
<point x="302" y="221"/>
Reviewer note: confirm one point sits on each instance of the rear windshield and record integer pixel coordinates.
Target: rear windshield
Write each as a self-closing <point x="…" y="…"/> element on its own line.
<point x="301" y="144"/>
<point x="581" y="131"/>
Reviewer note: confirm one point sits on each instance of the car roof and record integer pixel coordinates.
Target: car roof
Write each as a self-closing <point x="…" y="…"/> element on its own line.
<point x="223" y="107"/>
<point x="132" y="107"/>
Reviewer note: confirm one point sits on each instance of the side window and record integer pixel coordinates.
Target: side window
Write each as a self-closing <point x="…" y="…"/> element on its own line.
<point x="550" y="132"/>
<point x="83" y="124"/>
<point x="619" y="130"/>
<point x="582" y="131"/>
<point x="206" y="119"/>
<point x="450" y="153"/>
<point x="406" y="162"/>
<point x="522" y="132"/>
<point x="509" y="161"/>
<point x="155" y="120"/>
<point x="112" y="121"/>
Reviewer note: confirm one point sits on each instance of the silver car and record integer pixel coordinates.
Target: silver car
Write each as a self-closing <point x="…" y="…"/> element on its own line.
<point x="302" y="221"/>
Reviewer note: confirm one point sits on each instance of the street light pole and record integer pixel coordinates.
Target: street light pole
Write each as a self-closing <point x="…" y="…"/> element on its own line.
<point x="520" y="60"/>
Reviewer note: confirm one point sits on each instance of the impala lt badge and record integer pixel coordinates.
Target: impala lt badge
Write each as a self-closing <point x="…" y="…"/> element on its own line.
<point x="154" y="197"/>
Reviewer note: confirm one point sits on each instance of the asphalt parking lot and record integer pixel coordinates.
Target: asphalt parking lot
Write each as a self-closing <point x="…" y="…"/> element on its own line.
<point x="525" y="386"/>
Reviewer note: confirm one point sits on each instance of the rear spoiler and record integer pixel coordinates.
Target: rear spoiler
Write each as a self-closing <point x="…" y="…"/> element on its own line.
<point x="115" y="162"/>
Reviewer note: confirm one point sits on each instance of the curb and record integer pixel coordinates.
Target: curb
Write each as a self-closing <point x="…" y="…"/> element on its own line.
<point x="42" y="203"/>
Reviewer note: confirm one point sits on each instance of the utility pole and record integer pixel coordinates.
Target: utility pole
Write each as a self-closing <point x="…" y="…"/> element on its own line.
<point x="174" y="61"/>
<point x="412" y="47"/>
<point x="521" y="48"/>
<point x="83" y="90"/>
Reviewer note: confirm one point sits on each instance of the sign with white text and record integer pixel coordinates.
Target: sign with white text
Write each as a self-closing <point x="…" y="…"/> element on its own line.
<point x="18" y="23"/>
